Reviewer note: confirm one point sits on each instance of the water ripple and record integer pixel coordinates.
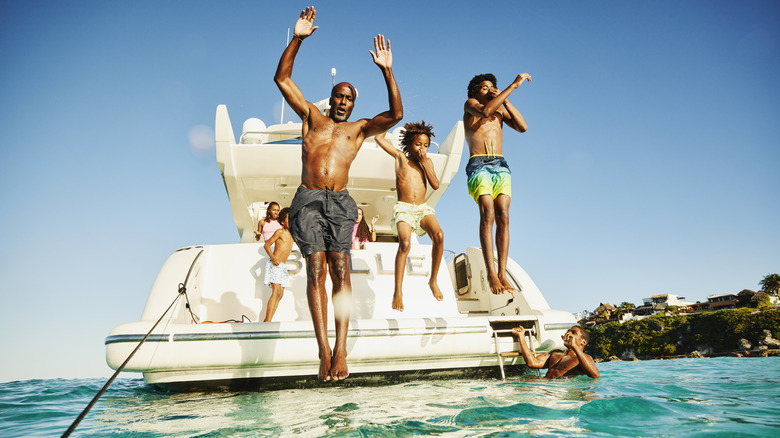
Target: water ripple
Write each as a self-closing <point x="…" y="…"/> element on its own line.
<point x="686" y="397"/>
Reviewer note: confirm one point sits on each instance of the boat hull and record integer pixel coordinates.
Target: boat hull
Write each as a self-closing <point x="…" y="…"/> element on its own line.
<point x="279" y="352"/>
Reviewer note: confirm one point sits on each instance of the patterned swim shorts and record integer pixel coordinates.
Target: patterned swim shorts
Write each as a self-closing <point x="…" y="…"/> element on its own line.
<point x="275" y="273"/>
<point x="411" y="214"/>
<point x="488" y="175"/>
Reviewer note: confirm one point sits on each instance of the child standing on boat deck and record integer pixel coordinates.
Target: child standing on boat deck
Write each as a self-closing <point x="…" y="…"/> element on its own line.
<point x="362" y="233"/>
<point x="276" y="268"/>
<point x="413" y="170"/>
<point x="267" y="226"/>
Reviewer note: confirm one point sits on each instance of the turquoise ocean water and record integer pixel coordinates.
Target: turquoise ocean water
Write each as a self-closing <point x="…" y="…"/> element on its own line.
<point x="658" y="398"/>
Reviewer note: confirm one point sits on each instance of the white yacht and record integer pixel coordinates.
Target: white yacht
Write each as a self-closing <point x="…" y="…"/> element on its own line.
<point x="211" y="335"/>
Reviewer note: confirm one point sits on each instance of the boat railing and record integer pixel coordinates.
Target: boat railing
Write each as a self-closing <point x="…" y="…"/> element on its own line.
<point x="263" y="136"/>
<point x="250" y="137"/>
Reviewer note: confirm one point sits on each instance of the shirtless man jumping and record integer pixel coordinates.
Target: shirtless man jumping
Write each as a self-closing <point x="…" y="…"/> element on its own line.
<point x="489" y="178"/>
<point x="572" y="362"/>
<point x="322" y="214"/>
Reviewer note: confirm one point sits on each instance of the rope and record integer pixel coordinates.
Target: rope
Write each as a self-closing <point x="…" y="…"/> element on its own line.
<point x="182" y="290"/>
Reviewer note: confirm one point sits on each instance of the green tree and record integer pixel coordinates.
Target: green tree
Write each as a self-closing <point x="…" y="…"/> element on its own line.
<point x="744" y="297"/>
<point x="760" y="300"/>
<point x="770" y="284"/>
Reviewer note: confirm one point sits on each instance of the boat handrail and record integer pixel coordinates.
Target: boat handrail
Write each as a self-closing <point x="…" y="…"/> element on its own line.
<point x="293" y="135"/>
<point x="296" y="136"/>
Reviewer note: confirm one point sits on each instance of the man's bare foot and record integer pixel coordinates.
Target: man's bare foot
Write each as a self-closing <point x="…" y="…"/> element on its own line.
<point x="435" y="289"/>
<point x="495" y="284"/>
<point x="338" y="367"/>
<point x="325" y="367"/>
<point x="398" y="301"/>
<point x="505" y="282"/>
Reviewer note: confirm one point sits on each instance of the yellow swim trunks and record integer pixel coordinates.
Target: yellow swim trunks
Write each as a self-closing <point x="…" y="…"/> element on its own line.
<point x="411" y="214"/>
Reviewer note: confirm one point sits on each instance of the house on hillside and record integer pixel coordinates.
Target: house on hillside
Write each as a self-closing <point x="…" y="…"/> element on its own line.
<point x="648" y="309"/>
<point x="701" y="307"/>
<point x="659" y="303"/>
<point x="605" y="311"/>
<point x="723" y="301"/>
<point x="602" y="314"/>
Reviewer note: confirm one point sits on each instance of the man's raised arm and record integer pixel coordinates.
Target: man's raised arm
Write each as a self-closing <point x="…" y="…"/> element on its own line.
<point x="283" y="77"/>
<point x="383" y="58"/>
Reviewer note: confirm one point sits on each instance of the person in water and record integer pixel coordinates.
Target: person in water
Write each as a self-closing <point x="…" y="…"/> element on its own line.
<point x="572" y="362"/>
<point x="413" y="171"/>
<point x="276" y="267"/>
<point x="362" y="233"/>
<point x="489" y="177"/>
<point x="322" y="213"/>
<point x="267" y="226"/>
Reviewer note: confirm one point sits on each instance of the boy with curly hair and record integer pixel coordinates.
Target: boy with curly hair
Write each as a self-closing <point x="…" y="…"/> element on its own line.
<point x="413" y="171"/>
<point x="489" y="179"/>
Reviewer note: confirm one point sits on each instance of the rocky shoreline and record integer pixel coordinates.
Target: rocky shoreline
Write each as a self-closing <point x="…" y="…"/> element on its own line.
<point x="697" y="355"/>
<point x="767" y="346"/>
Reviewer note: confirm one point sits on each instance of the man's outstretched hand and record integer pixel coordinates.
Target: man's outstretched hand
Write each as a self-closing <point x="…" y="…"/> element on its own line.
<point x="303" y="27"/>
<point x="383" y="56"/>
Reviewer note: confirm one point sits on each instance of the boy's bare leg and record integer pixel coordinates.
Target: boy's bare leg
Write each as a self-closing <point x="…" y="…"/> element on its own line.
<point x="318" y="307"/>
<point x="501" y="209"/>
<point x="342" y="306"/>
<point x="404" y="246"/>
<point x="431" y="226"/>
<point x="273" y="301"/>
<point x="486" y="219"/>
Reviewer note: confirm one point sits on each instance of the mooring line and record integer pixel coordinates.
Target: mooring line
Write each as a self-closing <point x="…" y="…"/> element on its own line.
<point x="182" y="291"/>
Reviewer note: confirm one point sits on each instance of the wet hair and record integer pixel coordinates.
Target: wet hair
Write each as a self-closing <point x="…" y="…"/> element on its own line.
<point x="268" y="210"/>
<point x="339" y="85"/>
<point x="363" y="232"/>
<point x="413" y="129"/>
<point x="478" y="79"/>
<point x="283" y="213"/>
<point x="583" y="333"/>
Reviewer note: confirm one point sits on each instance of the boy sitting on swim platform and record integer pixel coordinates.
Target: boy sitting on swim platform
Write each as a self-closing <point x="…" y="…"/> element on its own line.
<point x="413" y="169"/>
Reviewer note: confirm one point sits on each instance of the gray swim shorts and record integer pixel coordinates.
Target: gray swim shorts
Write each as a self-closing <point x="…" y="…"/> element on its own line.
<point x="322" y="220"/>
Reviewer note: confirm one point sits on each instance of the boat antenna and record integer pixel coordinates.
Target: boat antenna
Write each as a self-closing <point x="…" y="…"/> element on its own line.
<point x="333" y="75"/>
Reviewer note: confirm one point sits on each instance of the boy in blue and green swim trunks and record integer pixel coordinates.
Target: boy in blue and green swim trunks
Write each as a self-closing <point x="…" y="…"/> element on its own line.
<point x="489" y="177"/>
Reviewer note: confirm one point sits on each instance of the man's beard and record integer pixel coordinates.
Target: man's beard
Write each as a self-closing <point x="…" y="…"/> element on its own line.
<point x="340" y="117"/>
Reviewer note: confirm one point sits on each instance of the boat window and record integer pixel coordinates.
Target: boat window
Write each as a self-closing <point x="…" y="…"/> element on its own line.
<point x="512" y="279"/>
<point x="461" y="274"/>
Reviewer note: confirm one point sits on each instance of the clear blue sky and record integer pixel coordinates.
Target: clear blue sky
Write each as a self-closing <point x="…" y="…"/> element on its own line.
<point x="650" y="164"/>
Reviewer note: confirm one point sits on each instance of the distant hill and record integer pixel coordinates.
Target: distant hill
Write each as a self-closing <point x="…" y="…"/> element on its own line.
<point x="708" y="333"/>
